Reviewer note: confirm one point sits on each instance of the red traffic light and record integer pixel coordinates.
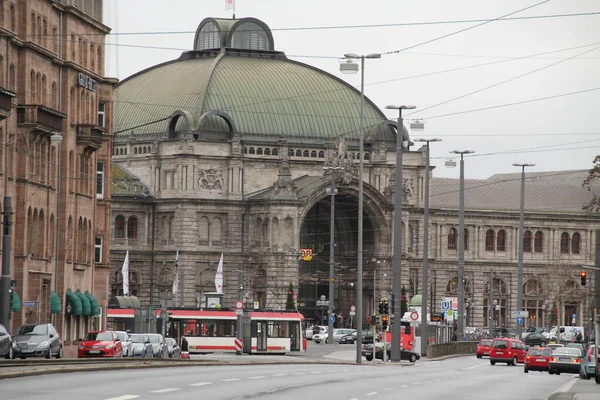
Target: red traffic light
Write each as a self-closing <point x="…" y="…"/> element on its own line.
<point x="583" y="273"/>
<point x="583" y="277"/>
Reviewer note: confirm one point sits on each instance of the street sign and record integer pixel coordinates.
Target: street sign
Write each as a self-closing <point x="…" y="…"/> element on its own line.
<point x="352" y="308"/>
<point x="29" y="304"/>
<point x="306" y="254"/>
<point x="239" y="311"/>
<point x="519" y="314"/>
<point x="445" y="305"/>
<point x="239" y="305"/>
<point x="414" y="316"/>
<point x="519" y="321"/>
<point x="352" y="313"/>
<point x="332" y="318"/>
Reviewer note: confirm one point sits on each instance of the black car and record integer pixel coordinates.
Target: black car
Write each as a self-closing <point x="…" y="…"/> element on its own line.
<point x="535" y="339"/>
<point x="5" y="343"/>
<point x="37" y="340"/>
<point x="367" y="352"/>
<point x="367" y="337"/>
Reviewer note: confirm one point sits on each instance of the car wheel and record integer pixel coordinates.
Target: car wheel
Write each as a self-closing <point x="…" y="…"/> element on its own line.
<point x="60" y="352"/>
<point x="369" y="358"/>
<point x="478" y="355"/>
<point x="525" y="370"/>
<point x="492" y="362"/>
<point x="412" y="358"/>
<point x="597" y="377"/>
<point x="550" y="372"/>
<point x="514" y="361"/>
<point x="326" y="340"/>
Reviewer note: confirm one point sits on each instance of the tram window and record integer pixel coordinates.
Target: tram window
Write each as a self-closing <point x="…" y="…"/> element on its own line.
<point x="278" y="329"/>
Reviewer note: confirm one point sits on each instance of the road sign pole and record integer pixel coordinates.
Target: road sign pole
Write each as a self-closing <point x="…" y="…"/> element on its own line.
<point x="239" y="334"/>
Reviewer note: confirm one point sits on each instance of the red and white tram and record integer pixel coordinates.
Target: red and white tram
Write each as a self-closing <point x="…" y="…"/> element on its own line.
<point x="264" y="332"/>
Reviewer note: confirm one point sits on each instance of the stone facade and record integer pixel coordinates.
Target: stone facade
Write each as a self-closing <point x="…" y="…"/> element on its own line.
<point x="52" y="66"/>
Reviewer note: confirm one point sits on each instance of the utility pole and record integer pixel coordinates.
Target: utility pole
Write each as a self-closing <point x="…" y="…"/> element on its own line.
<point x="332" y="192"/>
<point x="239" y="334"/>
<point x="490" y="303"/>
<point x="5" y="280"/>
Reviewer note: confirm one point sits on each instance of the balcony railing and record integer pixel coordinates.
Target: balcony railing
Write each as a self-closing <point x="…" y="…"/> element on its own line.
<point x="90" y="136"/>
<point x="6" y="97"/>
<point x="40" y="117"/>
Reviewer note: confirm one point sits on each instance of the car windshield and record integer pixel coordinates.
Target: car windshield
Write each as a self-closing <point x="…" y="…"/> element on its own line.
<point x="540" y="352"/>
<point x="99" y="336"/>
<point x="137" y="338"/>
<point x="154" y="339"/>
<point x="566" y="351"/>
<point x="122" y="336"/>
<point x="33" y="330"/>
<point x="500" y="344"/>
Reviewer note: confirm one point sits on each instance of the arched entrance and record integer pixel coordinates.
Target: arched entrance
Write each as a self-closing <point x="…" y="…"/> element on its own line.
<point x="314" y="274"/>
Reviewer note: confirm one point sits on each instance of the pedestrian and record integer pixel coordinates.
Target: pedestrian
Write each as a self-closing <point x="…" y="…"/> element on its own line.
<point x="579" y="337"/>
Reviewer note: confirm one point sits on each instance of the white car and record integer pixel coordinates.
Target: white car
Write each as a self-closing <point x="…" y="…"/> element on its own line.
<point x="313" y="330"/>
<point x="320" y="337"/>
<point x="126" y="342"/>
<point x="337" y="335"/>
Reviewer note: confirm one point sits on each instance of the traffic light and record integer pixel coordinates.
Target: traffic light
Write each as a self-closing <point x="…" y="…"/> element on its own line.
<point x="380" y="306"/>
<point x="379" y="320"/>
<point x="386" y="309"/>
<point x="373" y="319"/>
<point x="10" y="291"/>
<point x="384" y="322"/>
<point x="583" y="277"/>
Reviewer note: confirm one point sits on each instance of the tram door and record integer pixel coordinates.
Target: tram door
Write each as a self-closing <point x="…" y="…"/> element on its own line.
<point x="259" y="331"/>
<point x="295" y="336"/>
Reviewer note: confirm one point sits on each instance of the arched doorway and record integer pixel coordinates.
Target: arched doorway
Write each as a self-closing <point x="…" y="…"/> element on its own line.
<point x="452" y="291"/>
<point x="499" y="303"/>
<point x="570" y="304"/>
<point x="535" y="303"/>
<point x="314" y="274"/>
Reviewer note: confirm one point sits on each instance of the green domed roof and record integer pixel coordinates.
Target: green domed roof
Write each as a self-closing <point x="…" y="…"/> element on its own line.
<point x="417" y="300"/>
<point x="254" y="91"/>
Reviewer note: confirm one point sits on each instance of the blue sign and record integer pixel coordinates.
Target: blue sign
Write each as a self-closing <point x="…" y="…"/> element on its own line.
<point x="520" y="321"/>
<point x="445" y="305"/>
<point x="332" y="318"/>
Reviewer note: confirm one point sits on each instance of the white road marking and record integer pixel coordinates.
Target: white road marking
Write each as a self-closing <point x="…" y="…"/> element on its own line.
<point x="167" y="390"/>
<point x="315" y="372"/>
<point x="201" y="384"/>
<point x="230" y="380"/>
<point x="257" y="377"/>
<point x="565" y="387"/>
<point x="403" y="386"/>
<point x="389" y="388"/>
<point x="299" y="373"/>
<point x="280" y="375"/>
<point x="125" y="397"/>
<point x="416" y="383"/>
<point x="371" y="394"/>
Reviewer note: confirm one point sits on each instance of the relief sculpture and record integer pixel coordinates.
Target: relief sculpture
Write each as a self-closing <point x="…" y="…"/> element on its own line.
<point x="211" y="179"/>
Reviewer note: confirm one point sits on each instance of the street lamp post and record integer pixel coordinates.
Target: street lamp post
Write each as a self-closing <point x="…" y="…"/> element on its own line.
<point x="402" y="140"/>
<point x="332" y="191"/>
<point x="520" y="262"/>
<point x="57" y="139"/>
<point x="461" y="246"/>
<point x="359" y="261"/>
<point x="425" y="284"/>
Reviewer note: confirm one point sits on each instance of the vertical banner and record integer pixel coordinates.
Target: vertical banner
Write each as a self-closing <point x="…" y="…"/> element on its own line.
<point x="176" y="275"/>
<point x="219" y="276"/>
<point x="125" y="272"/>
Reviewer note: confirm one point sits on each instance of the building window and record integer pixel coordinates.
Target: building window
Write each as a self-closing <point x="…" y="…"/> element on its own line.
<point x="489" y="240"/>
<point x="120" y="226"/>
<point x="466" y="239"/>
<point x="102" y="114"/>
<point x="527" y="242"/>
<point x="538" y="242"/>
<point x="501" y="240"/>
<point x="564" y="243"/>
<point x="98" y="250"/>
<point x="575" y="241"/>
<point x="100" y="180"/>
<point x="452" y="238"/>
<point x="132" y="223"/>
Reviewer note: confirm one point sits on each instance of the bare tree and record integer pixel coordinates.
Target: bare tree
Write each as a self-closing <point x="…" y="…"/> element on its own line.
<point x="591" y="182"/>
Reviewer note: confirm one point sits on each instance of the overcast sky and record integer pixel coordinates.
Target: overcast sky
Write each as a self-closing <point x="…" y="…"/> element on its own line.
<point x="556" y="58"/>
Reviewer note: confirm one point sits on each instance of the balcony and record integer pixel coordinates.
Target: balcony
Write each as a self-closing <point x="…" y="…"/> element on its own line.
<point x="6" y="97"/>
<point x="40" y="118"/>
<point x="89" y="136"/>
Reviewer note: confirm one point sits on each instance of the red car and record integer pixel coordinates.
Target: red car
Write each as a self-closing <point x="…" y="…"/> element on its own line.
<point x="509" y="351"/>
<point x="483" y="348"/>
<point x="537" y="359"/>
<point x="100" y="344"/>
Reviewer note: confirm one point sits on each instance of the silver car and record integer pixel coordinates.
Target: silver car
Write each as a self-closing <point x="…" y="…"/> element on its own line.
<point x="126" y="342"/>
<point x="159" y="345"/>
<point x="174" y="350"/>
<point x="140" y="345"/>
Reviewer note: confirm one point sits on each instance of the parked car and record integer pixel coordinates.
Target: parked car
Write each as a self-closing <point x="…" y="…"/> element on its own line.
<point x="535" y="339"/>
<point x="37" y="340"/>
<point x="367" y="352"/>
<point x="100" y="344"/>
<point x="483" y="347"/>
<point x="314" y="330"/>
<point x="588" y="363"/>
<point x="501" y="332"/>
<point x="337" y="335"/>
<point x="320" y="337"/>
<point x="126" y="343"/>
<point x="555" y="346"/>
<point x="367" y="337"/>
<point x="159" y="345"/>
<point x="565" y="359"/>
<point x="531" y="330"/>
<point x="5" y="343"/>
<point x="510" y="351"/>
<point x="537" y="359"/>
<point x="173" y="349"/>
<point x="140" y="345"/>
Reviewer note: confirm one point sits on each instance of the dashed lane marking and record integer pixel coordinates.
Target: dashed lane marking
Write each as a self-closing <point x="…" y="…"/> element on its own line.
<point x="167" y="390"/>
<point x="280" y="375"/>
<point x="371" y="394"/>
<point x="125" y="397"/>
<point x="404" y="386"/>
<point x="230" y="379"/>
<point x="299" y="373"/>
<point x="201" y="384"/>
<point x="315" y="372"/>
<point x="257" y="377"/>
<point x="389" y="388"/>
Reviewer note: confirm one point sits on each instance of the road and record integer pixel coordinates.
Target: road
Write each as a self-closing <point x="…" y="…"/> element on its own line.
<point x="461" y="378"/>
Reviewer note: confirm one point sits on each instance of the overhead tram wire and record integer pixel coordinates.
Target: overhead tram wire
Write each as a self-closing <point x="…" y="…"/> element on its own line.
<point x="466" y="29"/>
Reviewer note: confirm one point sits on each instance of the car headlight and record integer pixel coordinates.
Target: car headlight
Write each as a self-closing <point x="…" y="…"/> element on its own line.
<point x="44" y="344"/>
<point x="109" y="347"/>
<point x="81" y="347"/>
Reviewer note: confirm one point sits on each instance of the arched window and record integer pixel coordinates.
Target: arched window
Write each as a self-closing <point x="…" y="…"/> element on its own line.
<point x="501" y="240"/>
<point x="274" y="152"/>
<point x="452" y="238"/>
<point x="527" y="242"/>
<point x="489" y="240"/>
<point x="538" y="242"/>
<point x="564" y="243"/>
<point x="313" y="154"/>
<point x="305" y="153"/>
<point x="267" y="152"/>
<point x="120" y="226"/>
<point x="321" y="154"/>
<point x="466" y="239"/>
<point x="132" y="228"/>
<point x="245" y="150"/>
<point x="291" y="152"/>
<point x="575" y="243"/>
<point x="251" y="151"/>
<point x="298" y="153"/>
<point x="259" y="151"/>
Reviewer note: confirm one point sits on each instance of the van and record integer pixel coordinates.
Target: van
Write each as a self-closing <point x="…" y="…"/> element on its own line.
<point x="565" y="333"/>
<point x="509" y="351"/>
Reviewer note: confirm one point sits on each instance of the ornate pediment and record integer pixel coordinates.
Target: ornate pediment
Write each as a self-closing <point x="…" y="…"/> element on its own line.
<point x="284" y="186"/>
